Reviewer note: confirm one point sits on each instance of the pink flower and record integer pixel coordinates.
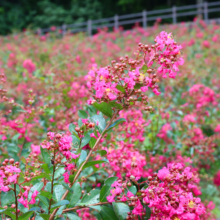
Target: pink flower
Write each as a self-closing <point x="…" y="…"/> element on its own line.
<point x="23" y="202"/>
<point x="33" y="196"/>
<point x="29" y="66"/>
<point x="66" y="177"/>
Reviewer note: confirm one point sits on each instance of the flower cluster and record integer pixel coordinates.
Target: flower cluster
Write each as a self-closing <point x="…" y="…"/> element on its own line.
<point x="126" y="160"/>
<point x="9" y="174"/>
<point x="168" y="194"/>
<point x="166" y="54"/>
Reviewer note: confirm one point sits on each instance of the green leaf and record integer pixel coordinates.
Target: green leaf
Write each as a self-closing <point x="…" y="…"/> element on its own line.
<point x="91" y="163"/>
<point x="45" y="216"/>
<point x="117" y="122"/>
<point x="102" y="152"/>
<point x="44" y="200"/>
<point x="148" y="212"/>
<point x="7" y="197"/>
<point x="138" y="86"/>
<point x="105" y="191"/>
<point x="120" y="88"/>
<point x="75" y="196"/>
<point x="108" y="214"/>
<point x="75" y="140"/>
<point x="8" y="213"/>
<point x="121" y="210"/>
<point x="26" y="215"/>
<point x="45" y="155"/>
<point x="92" y="142"/>
<point x="60" y="203"/>
<point x="100" y="120"/>
<point x="116" y="105"/>
<point x="59" y="172"/>
<point x="72" y="216"/>
<point x="46" y="168"/>
<point x="104" y="107"/>
<point x="86" y="139"/>
<point x="91" y="198"/>
<point x="46" y="194"/>
<point x="58" y="192"/>
<point x="82" y="114"/>
<point x="42" y="175"/>
<point x="82" y="157"/>
<point x="144" y="68"/>
<point x="132" y="189"/>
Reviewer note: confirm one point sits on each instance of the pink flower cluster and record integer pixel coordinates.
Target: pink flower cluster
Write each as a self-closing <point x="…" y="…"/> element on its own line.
<point x="24" y="198"/>
<point x="166" y="55"/>
<point x="29" y="66"/>
<point x="216" y="179"/>
<point x="163" y="133"/>
<point x="170" y="198"/>
<point x="120" y="190"/>
<point x="127" y="160"/>
<point x="135" y="125"/>
<point x="204" y="96"/>
<point x="8" y="175"/>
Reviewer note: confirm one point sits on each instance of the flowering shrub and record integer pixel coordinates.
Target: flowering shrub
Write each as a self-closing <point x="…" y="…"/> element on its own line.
<point x="135" y="138"/>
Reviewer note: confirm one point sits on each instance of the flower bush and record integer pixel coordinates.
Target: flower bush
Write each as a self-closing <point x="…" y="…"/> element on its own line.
<point x="88" y="132"/>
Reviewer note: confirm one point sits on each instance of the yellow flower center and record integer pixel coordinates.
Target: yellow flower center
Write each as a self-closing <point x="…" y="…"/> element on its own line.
<point x="176" y="218"/>
<point x="191" y="204"/>
<point x="141" y="77"/>
<point x="108" y="91"/>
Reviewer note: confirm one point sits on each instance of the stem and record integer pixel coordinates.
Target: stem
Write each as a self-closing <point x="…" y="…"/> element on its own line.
<point x="99" y="203"/>
<point x="86" y="160"/>
<point x="54" y="155"/>
<point x="16" y="202"/>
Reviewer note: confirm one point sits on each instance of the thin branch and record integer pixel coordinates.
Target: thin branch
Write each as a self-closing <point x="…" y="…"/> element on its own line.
<point x="86" y="160"/>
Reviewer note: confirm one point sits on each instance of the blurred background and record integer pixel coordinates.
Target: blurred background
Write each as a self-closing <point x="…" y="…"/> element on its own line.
<point x="19" y="15"/>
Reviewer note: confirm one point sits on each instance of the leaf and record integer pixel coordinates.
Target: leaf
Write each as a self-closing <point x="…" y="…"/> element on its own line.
<point x="86" y="139"/>
<point x="91" y="163"/>
<point x="99" y="120"/>
<point x="144" y="68"/>
<point x="42" y="175"/>
<point x="120" y="88"/>
<point x="108" y="214"/>
<point x="59" y="172"/>
<point x="116" y="105"/>
<point x="58" y="192"/>
<point x="102" y="152"/>
<point x="26" y="215"/>
<point x="148" y="212"/>
<point x="46" y="194"/>
<point x="119" y="121"/>
<point x="105" y="191"/>
<point x="45" y="216"/>
<point x="121" y="210"/>
<point x="132" y="189"/>
<point x="82" y="114"/>
<point x="104" y="107"/>
<point x="75" y="195"/>
<point x="44" y="200"/>
<point x="91" y="198"/>
<point x="73" y="216"/>
<point x="46" y="168"/>
<point x="8" y="213"/>
<point x="7" y="198"/>
<point x="60" y="203"/>
<point x="75" y="140"/>
<point x="92" y="142"/>
<point x="138" y="86"/>
<point x="45" y="155"/>
<point x="82" y="157"/>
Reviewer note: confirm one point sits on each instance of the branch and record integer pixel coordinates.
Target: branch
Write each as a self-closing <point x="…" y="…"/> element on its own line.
<point x="87" y="158"/>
